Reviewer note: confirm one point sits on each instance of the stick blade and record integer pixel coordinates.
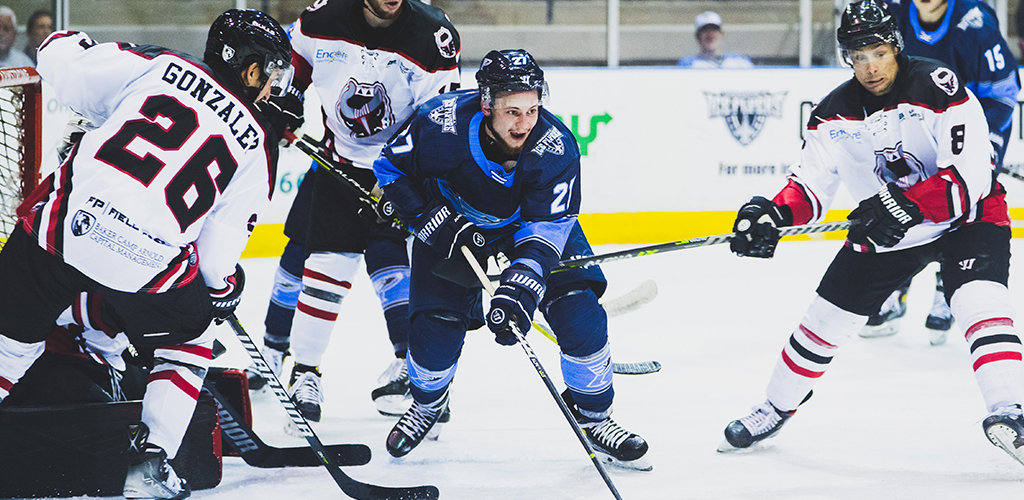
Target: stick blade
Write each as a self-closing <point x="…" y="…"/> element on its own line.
<point x="632" y="300"/>
<point x="362" y="491"/>
<point x="344" y="454"/>
<point x="641" y="368"/>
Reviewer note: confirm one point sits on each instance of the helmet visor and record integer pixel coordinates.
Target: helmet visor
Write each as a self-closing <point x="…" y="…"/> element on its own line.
<point x="280" y="77"/>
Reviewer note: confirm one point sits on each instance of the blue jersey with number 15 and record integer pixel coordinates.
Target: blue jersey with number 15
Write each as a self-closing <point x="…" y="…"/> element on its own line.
<point x="968" y="41"/>
<point x="436" y="158"/>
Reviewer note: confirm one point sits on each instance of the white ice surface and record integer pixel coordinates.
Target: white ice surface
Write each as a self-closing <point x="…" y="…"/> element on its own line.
<point x="894" y="418"/>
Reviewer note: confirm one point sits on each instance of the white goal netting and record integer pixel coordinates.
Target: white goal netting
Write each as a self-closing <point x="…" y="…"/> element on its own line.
<point x="20" y="137"/>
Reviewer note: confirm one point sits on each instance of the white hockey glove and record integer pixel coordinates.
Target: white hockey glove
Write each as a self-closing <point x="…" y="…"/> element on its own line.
<point x="77" y="126"/>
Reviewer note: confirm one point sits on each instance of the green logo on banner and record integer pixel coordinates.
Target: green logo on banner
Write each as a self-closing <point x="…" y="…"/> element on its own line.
<point x="574" y="125"/>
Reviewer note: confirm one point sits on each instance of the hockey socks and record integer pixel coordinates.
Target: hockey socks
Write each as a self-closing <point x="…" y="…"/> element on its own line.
<point x="326" y="281"/>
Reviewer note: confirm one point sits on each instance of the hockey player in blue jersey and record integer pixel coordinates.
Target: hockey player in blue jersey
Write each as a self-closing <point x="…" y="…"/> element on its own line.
<point x="492" y="170"/>
<point x="965" y="36"/>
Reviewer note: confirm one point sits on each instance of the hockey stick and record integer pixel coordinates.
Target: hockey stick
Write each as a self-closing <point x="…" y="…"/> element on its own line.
<point x="243" y="440"/>
<point x="308" y="145"/>
<point x="543" y="376"/>
<point x="823" y="227"/>
<point x="632" y="300"/>
<point x="639" y="368"/>
<point x="351" y="487"/>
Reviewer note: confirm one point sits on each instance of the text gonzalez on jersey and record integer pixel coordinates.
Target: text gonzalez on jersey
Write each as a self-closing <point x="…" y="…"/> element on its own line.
<point x="184" y="80"/>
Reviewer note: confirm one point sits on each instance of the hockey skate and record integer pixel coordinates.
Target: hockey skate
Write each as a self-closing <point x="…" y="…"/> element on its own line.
<point x="1005" y="429"/>
<point x="421" y="421"/>
<point x="764" y="422"/>
<point x="612" y="444"/>
<point x="940" y="319"/>
<point x="149" y="476"/>
<point x="393" y="398"/>
<point x="274" y="359"/>
<point x="305" y="391"/>
<point x="887" y="321"/>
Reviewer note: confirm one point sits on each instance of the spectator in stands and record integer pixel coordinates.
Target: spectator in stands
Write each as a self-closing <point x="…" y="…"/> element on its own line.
<point x="40" y="25"/>
<point x="8" y="32"/>
<point x="1020" y="32"/>
<point x="709" y="34"/>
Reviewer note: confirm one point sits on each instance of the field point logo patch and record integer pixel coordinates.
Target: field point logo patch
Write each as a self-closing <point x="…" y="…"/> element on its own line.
<point x="82" y="223"/>
<point x="745" y="112"/>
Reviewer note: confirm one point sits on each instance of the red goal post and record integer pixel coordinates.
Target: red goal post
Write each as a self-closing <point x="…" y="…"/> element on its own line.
<point x="21" y="113"/>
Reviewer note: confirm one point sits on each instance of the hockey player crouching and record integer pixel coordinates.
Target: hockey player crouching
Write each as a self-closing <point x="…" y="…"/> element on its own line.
<point x="492" y="170"/>
<point x="911" y="143"/>
<point x="151" y="210"/>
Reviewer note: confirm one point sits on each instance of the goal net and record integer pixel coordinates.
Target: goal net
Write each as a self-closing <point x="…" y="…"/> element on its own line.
<point x="20" y="138"/>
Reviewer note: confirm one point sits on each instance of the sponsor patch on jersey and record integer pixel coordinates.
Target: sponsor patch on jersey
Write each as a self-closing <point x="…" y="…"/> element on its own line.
<point x="329" y="56"/>
<point x="972" y="19"/>
<point x="444" y="115"/>
<point x="550" y="142"/>
<point x="82" y="223"/>
<point x="445" y="42"/>
<point x="745" y="113"/>
<point x="946" y="80"/>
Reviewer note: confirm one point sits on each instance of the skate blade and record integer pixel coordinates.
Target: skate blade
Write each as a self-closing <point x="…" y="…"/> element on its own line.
<point x="641" y="464"/>
<point x="435" y="432"/>
<point x="727" y="447"/>
<point x="292" y="430"/>
<point x="393" y="405"/>
<point x="1003" y="436"/>
<point x="886" y="329"/>
<point x="936" y="337"/>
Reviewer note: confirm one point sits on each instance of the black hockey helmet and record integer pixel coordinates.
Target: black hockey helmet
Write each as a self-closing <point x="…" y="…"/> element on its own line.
<point x="867" y="22"/>
<point x="510" y="70"/>
<point x="240" y="37"/>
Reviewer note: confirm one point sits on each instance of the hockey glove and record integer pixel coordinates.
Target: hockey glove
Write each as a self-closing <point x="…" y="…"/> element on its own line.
<point x="515" y="300"/>
<point x="284" y="112"/>
<point x="883" y="219"/>
<point x="445" y="230"/>
<point x="77" y="126"/>
<point x="226" y="299"/>
<point x="756" y="228"/>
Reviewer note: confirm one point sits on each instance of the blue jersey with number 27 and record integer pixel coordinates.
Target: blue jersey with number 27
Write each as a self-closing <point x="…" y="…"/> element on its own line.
<point x="436" y="158"/>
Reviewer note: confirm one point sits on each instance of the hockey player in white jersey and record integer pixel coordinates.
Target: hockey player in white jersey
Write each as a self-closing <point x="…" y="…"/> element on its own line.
<point x="911" y="143"/>
<point x="150" y="210"/>
<point x="372" y="63"/>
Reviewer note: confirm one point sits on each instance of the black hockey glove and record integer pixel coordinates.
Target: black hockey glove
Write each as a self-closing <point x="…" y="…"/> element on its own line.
<point x="756" y="228"/>
<point x="515" y="300"/>
<point x="445" y="230"/>
<point x="226" y="299"/>
<point x="284" y="112"/>
<point x="883" y="219"/>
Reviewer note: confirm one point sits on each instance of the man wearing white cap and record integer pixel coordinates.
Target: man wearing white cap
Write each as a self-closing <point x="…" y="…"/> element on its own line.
<point x="709" y="33"/>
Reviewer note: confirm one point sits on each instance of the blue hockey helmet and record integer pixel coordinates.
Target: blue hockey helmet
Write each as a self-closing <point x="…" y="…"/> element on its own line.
<point x="865" y="23"/>
<point x="240" y="37"/>
<point x="510" y="70"/>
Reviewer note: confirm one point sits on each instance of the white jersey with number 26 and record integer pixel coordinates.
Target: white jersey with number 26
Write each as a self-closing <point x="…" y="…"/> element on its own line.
<point x="169" y="184"/>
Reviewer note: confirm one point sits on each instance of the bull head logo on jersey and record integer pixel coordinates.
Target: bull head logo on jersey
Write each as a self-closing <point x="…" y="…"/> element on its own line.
<point x="365" y="108"/>
<point x="896" y="165"/>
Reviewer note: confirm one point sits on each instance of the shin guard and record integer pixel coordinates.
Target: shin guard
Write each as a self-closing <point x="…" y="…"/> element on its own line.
<point x="809" y="351"/>
<point x="983" y="309"/>
<point x="173" y="389"/>
<point x="326" y="281"/>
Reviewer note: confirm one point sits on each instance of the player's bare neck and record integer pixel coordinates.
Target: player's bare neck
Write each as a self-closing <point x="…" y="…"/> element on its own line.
<point x="931" y="19"/>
